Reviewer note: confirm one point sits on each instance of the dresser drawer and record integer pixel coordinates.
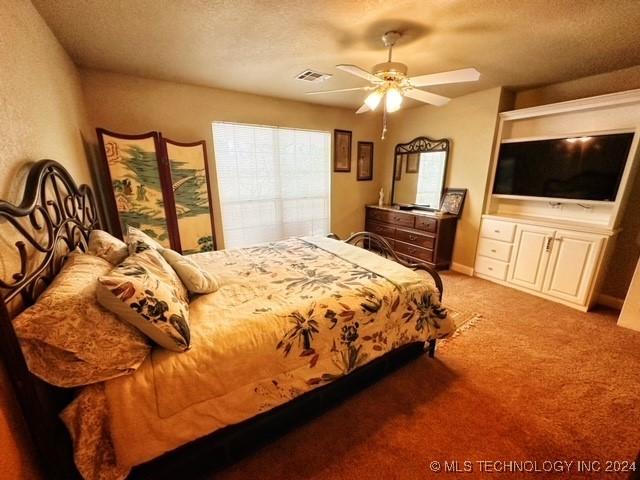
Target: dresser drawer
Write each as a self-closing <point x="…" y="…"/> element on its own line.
<point x="427" y="224"/>
<point x="495" y="249"/>
<point x="491" y="268"/>
<point x="413" y="251"/>
<point x="419" y="239"/>
<point x="498" y="230"/>
<point x="381" y="229"/>
<point x="387" y="216"/>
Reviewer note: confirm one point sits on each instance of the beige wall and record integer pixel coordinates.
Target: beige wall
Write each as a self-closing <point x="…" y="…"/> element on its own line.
<point x="470" y="123"/>
<point x="185" y="112"/>
<point x="630" y="314"/>
<point x="41" y="116"/>
<point x="627" y="248"/>
<point x="616" y="81"/>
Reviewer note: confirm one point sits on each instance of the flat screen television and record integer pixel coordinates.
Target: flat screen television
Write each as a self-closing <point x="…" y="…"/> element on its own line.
<point x="580" y="168"/>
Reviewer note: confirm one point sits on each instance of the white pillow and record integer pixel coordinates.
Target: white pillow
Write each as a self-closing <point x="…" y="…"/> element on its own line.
<point x="104" y="245"/>
<point x="145" y="292"/>
<point x="137" y="241"/>
<point x="194" y="278"/>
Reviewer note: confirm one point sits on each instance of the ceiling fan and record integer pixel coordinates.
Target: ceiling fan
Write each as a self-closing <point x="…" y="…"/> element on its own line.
<point x="389" y="81"/>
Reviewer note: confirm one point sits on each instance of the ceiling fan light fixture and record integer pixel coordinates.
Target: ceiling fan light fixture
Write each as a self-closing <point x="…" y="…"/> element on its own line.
<point x="373" y="99"/>
<point x="393" y="100"/>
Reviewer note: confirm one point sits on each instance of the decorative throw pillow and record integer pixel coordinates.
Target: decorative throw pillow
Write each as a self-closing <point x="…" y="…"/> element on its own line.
<point x="194" y="278"/>
<point x="145" y="292"/>
<point x="105" y="245"/>
<point x="68" y="339"/>
<point x="138" y="241"/>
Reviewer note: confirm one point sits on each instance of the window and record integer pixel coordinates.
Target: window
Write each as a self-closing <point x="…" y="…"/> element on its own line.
<point x="274" y="183"/>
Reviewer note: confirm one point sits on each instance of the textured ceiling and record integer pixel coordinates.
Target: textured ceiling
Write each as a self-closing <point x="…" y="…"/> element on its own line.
<point x="259" y="46"/>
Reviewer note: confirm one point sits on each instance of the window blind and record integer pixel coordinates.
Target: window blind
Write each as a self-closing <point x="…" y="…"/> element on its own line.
<point x="273" y="183"/>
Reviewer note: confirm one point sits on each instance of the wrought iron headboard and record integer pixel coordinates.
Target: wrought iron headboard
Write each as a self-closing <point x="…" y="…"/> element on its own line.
<point x="56" y="210"/>
<point x="54" y="217"/>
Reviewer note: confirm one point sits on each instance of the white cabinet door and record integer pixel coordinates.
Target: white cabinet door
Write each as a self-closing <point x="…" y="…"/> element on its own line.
<point x="574" y="257"/>
<point x="529" y="263"/>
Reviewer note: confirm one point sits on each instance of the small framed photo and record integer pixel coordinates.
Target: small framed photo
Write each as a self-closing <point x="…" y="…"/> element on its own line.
<point x="453" y="200"/>
<point x="341" y="151"/>
<point x="398" y="167"/>
<point x="413" y="162"/>
<point x="365" y="161"/>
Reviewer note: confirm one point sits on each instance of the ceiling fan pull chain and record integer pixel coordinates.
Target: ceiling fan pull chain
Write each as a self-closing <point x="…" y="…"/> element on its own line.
<point x="384" y="123"/>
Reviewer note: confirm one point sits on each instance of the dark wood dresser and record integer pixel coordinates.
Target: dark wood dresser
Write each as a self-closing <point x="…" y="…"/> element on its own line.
<point x="415" y="234"/>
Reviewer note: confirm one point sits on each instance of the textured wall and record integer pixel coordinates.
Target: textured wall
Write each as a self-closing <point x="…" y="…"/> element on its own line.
<point x="627" y="249"/>
<point x="470" y="123"/>
<point x="182" y="112"/>
<point x="41" y="115"/>
<point x="616" y="81"/>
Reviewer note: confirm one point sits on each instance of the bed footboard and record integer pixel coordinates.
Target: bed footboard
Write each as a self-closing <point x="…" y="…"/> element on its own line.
<point x="376" y="243"/>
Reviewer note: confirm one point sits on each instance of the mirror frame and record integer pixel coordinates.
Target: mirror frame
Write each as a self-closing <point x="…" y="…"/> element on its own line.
<point x="420" y="145"/>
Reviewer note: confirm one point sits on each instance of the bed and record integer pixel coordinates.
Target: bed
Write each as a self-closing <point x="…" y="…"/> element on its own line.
<point x="296" y="324"/>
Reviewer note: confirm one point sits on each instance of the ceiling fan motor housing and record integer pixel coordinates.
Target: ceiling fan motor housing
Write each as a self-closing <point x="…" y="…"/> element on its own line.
<point x="390" y="70"/>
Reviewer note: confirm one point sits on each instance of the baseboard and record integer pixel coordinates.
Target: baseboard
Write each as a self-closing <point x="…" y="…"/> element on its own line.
<point x="458" y="267"/>
<point x="610" y="301"/>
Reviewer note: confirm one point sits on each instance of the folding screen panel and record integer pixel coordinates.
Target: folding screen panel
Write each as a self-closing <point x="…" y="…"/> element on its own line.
<point x="191" y="192"/>
<point x="139" y="180"/>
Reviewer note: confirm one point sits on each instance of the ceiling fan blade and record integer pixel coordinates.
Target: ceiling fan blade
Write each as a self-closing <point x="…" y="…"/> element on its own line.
<point x="339" y="90"/>
<point x="359" y="72"/>
<point x="426" y="97"/>
<point x="454" y="76"/>
<point x="363" y="108"/>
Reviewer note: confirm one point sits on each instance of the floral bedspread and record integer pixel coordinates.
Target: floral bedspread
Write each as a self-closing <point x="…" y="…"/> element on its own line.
<point x="290" y="316"/>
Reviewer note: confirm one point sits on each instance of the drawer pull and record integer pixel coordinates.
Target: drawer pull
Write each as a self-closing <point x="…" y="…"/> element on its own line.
<point x="493" y="250"/>
<point x="413" y="238"/>
<point x="490" y="269"/>
<point x="496" y="231"/>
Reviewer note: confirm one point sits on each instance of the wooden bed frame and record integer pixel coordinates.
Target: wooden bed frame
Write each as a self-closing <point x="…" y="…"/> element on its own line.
<point x="56" y="216"/>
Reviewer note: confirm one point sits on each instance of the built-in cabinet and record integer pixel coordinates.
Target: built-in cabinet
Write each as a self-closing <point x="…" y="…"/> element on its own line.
<point x="556" y="263"/>
<point x="553" y="247"/>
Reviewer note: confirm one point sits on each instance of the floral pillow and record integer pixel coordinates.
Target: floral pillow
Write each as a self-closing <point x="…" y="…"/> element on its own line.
<point x="68" y="339"/>
<point x="105" y="245"/>
<point x="138" y="241"/>
<point x="194" y="278"/>
<point x="145" y="292"/>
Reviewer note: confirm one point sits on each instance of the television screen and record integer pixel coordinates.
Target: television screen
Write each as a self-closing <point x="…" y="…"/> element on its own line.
<point x="582" y="168"/>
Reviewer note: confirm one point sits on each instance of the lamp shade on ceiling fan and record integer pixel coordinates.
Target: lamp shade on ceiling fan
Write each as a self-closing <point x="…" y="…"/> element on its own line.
<point x="373" y="99"/>
<point x="393" y="99"/>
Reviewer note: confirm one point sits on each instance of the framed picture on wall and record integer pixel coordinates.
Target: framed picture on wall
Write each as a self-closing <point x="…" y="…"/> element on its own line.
<point x="413" y="162"/>
<point x="398" y="164"/>
<point x="453" y="200"/>
<point x="341" y="151"/>
<point x="365" y="161"/>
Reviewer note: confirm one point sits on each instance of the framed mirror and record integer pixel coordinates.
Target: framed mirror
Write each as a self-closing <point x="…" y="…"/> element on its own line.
<point x="419" y="173"/>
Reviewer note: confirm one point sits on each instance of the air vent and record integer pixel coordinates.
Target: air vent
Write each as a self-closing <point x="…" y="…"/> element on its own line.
<point x="312" y="76"/>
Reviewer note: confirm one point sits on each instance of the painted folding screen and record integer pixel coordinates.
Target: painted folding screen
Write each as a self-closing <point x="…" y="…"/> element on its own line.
<point x="138" y="179"/>
<point x="190" y="186"/>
